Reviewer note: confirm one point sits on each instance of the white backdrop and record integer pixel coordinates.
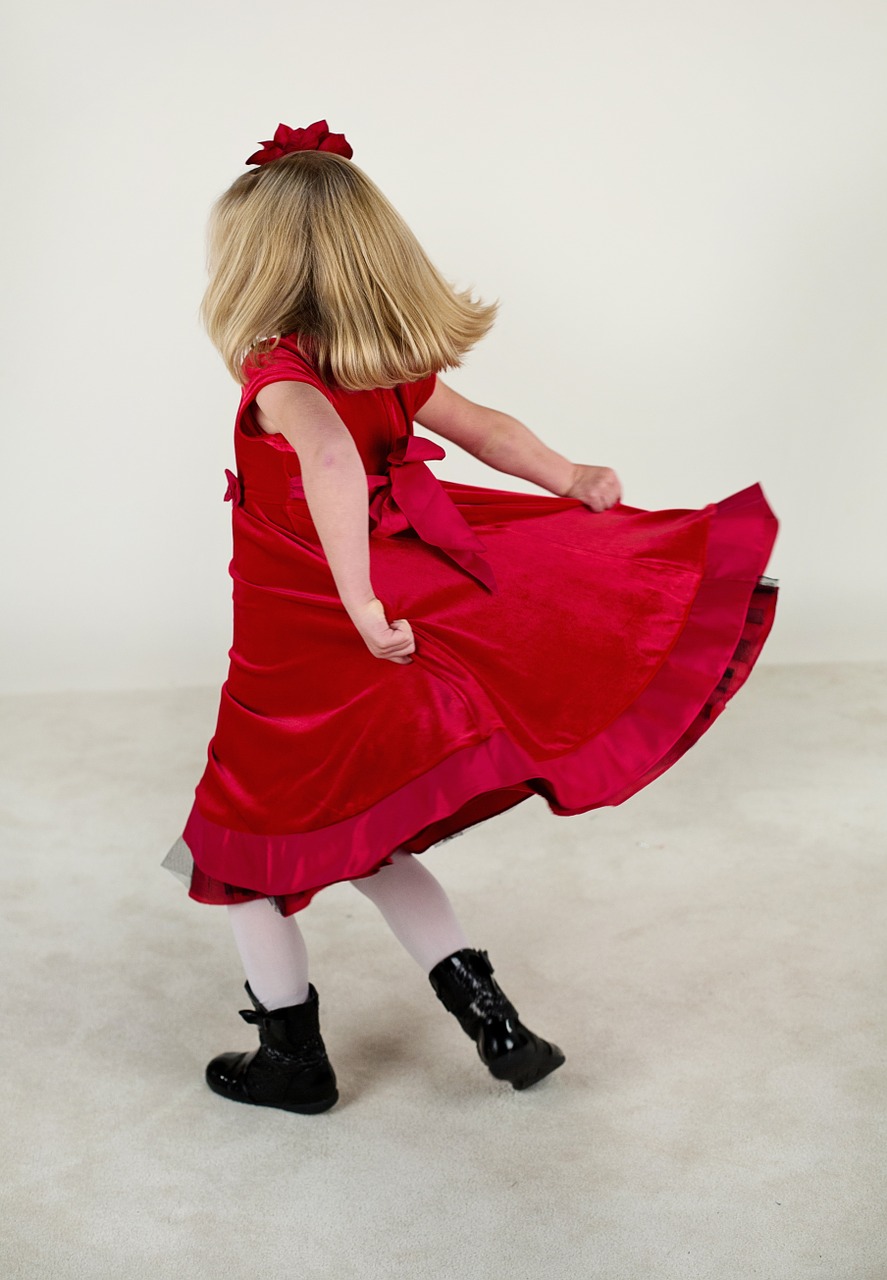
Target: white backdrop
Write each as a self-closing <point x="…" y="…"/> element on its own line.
<point x="681" y="207"/>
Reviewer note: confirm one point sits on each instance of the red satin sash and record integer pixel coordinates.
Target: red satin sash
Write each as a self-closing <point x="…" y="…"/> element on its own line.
<point x="409" y="495"/>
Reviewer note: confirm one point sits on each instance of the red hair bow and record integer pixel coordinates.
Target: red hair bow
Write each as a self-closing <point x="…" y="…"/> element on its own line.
<point x="316" y="137"/>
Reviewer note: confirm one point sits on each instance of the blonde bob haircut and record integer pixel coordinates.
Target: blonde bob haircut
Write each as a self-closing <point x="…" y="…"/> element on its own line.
<point x="308" y="245"/>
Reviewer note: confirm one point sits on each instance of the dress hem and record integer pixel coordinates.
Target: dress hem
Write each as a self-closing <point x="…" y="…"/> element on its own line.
<point x="726" y="627"/>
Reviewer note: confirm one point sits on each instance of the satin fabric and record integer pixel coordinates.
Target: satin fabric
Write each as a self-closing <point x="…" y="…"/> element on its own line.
<point x="560" y="652"/>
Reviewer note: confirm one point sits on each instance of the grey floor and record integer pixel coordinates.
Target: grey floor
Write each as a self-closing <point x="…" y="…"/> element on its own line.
<point x="710" y="956"/>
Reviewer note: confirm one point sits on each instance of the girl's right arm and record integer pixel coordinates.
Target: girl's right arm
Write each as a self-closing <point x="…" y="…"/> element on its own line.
<point x="338" y="500"/>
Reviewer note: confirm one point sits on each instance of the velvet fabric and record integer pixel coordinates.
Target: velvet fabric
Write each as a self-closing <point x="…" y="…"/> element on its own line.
<point x="560" y="652"/>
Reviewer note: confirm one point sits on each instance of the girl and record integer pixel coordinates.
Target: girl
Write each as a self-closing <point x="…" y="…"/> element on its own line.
<point x="413" y="656"/>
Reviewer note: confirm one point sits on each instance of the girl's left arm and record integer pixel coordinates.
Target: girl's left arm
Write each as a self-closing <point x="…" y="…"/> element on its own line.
<point x="506" y="444"/>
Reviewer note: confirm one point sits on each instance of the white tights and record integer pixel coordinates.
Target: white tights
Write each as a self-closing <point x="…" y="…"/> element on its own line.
<point x="414" y="904"/>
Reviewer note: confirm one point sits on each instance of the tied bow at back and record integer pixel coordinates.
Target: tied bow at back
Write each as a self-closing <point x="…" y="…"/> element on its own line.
<point x="411" y="495"/>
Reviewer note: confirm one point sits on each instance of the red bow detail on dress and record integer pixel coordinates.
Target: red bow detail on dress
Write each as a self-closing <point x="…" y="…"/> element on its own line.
<point x="316" y="137"/>
<point x="411" y="495"/>
<point x="234" y="492"/>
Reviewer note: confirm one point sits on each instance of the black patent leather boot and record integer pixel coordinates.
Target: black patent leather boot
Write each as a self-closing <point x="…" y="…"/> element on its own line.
<point x="290" y="1069"/>
<point x="464" y="984"/>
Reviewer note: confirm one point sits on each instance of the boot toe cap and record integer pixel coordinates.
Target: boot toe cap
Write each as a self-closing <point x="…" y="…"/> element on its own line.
<point x="225" y="1074"/>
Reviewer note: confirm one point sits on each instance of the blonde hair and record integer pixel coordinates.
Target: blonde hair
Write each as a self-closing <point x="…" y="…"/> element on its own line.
<point x="307" y="244"/>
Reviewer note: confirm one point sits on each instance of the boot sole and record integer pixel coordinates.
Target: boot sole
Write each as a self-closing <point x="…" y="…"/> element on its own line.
<point x="302" y="1108"/>
<point x="525" y="1068"/>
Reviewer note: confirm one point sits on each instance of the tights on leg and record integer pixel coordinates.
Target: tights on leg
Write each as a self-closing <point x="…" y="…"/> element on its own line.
<point x="413" y="903"/>
<point x="416" y="908"/>
<point x="273" y="952"/>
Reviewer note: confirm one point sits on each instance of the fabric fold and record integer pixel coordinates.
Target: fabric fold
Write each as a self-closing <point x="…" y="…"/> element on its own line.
<point x="726" y="626"/>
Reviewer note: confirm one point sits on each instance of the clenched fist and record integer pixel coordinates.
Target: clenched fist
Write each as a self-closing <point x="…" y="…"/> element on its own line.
<point x="383" y="641"/>
<point x="598" y="487"/>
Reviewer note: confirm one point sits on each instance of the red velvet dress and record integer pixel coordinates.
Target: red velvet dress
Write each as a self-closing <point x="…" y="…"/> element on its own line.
<point x="560" y="652"/>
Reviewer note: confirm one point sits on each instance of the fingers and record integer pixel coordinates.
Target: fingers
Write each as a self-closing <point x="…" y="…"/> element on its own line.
<point x="603" y="488"/>
<point x="597" y="487"/>
<point x="398" y="624"/>
<point x="405" y="645"/>
<point x="605" y="498"/>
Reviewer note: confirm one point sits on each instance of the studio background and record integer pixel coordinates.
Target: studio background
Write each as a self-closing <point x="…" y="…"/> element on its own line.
<point x="680" y="207"/>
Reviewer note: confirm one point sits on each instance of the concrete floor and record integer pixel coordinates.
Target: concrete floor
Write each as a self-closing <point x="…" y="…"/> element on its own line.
<point x="710" y="956"/>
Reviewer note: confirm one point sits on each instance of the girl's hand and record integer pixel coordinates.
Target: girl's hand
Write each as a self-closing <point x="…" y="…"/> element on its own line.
<point x="393" y="642"/>
<point x="598" y="487"/>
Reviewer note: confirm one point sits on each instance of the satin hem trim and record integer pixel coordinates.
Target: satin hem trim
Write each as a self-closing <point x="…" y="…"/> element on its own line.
<point x="727" y="625"/>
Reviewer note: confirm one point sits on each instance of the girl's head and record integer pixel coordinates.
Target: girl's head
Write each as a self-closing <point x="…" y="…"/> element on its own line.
<point x="308" y="244"/>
